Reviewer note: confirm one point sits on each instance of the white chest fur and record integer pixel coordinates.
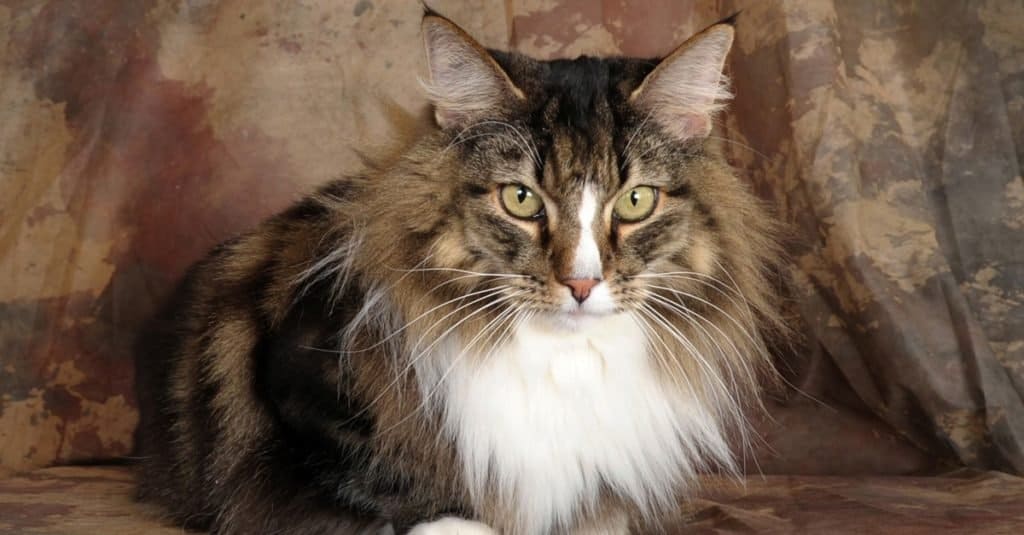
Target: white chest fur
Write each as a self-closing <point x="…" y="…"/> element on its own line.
<point x="554" y="414"/>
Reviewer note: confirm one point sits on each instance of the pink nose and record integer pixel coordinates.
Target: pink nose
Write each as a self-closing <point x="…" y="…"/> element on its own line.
<point x="581" y="287"/>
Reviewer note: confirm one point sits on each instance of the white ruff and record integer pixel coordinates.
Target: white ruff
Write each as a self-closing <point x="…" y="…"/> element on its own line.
<point x="551" y="416"/>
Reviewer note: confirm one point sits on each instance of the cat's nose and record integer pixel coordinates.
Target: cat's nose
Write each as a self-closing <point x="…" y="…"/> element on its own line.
<point x="581" y="287"/>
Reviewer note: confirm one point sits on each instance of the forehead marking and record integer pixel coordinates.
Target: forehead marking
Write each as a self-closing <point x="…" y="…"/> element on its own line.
<point x="587" y="262"/>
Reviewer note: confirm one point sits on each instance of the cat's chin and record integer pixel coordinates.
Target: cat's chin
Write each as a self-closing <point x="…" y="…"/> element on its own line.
<point x="577" y="318"/>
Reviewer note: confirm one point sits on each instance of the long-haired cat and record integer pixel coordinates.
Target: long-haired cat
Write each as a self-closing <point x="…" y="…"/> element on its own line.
<point x="545" y="313"/>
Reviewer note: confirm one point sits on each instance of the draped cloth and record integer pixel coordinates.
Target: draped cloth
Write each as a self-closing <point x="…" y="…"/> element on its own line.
<point x="136" y="134"/>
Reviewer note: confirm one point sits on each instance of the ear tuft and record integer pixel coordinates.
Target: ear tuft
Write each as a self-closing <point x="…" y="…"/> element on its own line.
<point x="687" y="88"/>
<point x="465" y="83"/>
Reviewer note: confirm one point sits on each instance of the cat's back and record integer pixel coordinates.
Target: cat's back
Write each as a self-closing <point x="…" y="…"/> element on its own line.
<point x="203" y="409"/>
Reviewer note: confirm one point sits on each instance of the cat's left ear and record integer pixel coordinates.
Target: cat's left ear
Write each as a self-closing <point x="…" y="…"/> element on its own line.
<point x="466" y="83"/>
<point x="687" y="88"/>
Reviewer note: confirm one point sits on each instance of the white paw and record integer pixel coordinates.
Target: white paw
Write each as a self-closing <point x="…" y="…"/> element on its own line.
<point x="452" y="526"/>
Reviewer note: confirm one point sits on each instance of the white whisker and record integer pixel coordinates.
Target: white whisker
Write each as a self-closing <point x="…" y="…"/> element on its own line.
<point x="665" y="359"/>
<point x="689" y="316"/>
<point x="682" y="339"/>
<point x="730" y="317"/>
<point x="412" y="361"/>
<point x="626" y="161"/>
<point x="521" y="140"/>
<point x="726" y="291"/>
<point x="409" y="324"/>
<point x="425" y="351"/>
<point x="465" y="271"/>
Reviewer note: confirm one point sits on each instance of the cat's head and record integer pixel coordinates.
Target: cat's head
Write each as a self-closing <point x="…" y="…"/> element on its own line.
<point x="592" y="183"/>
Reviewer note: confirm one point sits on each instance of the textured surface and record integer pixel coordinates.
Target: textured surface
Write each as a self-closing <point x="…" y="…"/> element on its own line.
<point x="135" y="134"/>
<point x="987" y="503"/>
<point x="86" y="501"/>
<point x="76" y="501"/>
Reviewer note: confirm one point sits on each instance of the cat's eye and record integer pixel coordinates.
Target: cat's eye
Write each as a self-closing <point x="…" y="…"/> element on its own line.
<point x="636" y="204"/>
<point x="521" y="201"/>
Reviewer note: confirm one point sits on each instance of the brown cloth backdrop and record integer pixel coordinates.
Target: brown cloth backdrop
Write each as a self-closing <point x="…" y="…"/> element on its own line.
<point x="135" y="134"/>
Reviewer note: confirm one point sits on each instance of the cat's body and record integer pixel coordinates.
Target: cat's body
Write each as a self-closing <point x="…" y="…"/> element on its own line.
<point x="479" y="328"/>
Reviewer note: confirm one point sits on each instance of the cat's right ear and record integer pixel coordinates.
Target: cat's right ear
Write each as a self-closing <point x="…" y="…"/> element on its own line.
<point x="466" y="84"/>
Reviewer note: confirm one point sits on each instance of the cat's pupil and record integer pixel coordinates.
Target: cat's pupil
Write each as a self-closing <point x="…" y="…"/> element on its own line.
<point x="634" y="197"/>
<point x="521" y="194"/>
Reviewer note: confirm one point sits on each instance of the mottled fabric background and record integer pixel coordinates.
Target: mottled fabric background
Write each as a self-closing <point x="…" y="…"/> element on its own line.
<point x="135" y="134"/>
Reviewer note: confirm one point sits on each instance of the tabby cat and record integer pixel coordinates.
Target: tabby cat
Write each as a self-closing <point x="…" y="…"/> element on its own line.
<point x="544" y="314"/>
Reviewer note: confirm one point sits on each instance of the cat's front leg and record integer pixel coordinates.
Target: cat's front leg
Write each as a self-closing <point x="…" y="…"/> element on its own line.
<point x="452" y="526"/>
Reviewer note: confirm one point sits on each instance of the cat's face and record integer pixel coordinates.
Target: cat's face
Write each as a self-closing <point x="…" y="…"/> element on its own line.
<point x="585" y="182"/>
<point x="590" y="216"/>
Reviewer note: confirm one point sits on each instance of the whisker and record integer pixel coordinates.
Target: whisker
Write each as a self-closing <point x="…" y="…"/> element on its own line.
<point x="455" y="361"/>
<point x="490" y="278"/>
<point x="521" y="140"/>
<point x="727" y="406"/>
<point x="527" y="143"/>
<point x="409" y="366"/>
<point x="411" y="322"/>
<point x="689" y="315"/>
<point x="626" y="161"/>
<point x="784" y="380"/>
<point x="736" y="322"/>
<point x="682" y="339"/>
<point x="665" y="360"/>
<point x="694" y="318"/>
<point x="487" y="291"/>
<point x="742" y="145"/>
<point x="697" y="276"/>
<point x="731" y="295"/>
<point x="522" y="314"/>
<point x="651" y="149"/>
<point x="516" y="312"/>
<point x="460" y="140"/>
<point x="456" y="311"/>
<point x="457" y="270"/>
<point x="736" y="285"/>
<point x="483" y="331"/>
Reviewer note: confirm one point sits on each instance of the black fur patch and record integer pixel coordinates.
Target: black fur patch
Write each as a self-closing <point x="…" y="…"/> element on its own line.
<point x="682" y="190"/>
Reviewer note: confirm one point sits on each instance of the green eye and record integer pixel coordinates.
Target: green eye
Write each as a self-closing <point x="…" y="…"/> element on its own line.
<point x="636" y="204"/>
<point x="521" y="201"/>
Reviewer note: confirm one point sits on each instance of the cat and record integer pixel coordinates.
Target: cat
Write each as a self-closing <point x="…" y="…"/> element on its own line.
<point x="546" y="312"/>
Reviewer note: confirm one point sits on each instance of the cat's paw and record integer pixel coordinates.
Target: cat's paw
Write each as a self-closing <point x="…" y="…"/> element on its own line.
<point x="452" y="526"/>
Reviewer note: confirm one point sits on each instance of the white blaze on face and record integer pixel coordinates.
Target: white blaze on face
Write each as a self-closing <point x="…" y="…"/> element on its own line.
<point x="587" y="262"/>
